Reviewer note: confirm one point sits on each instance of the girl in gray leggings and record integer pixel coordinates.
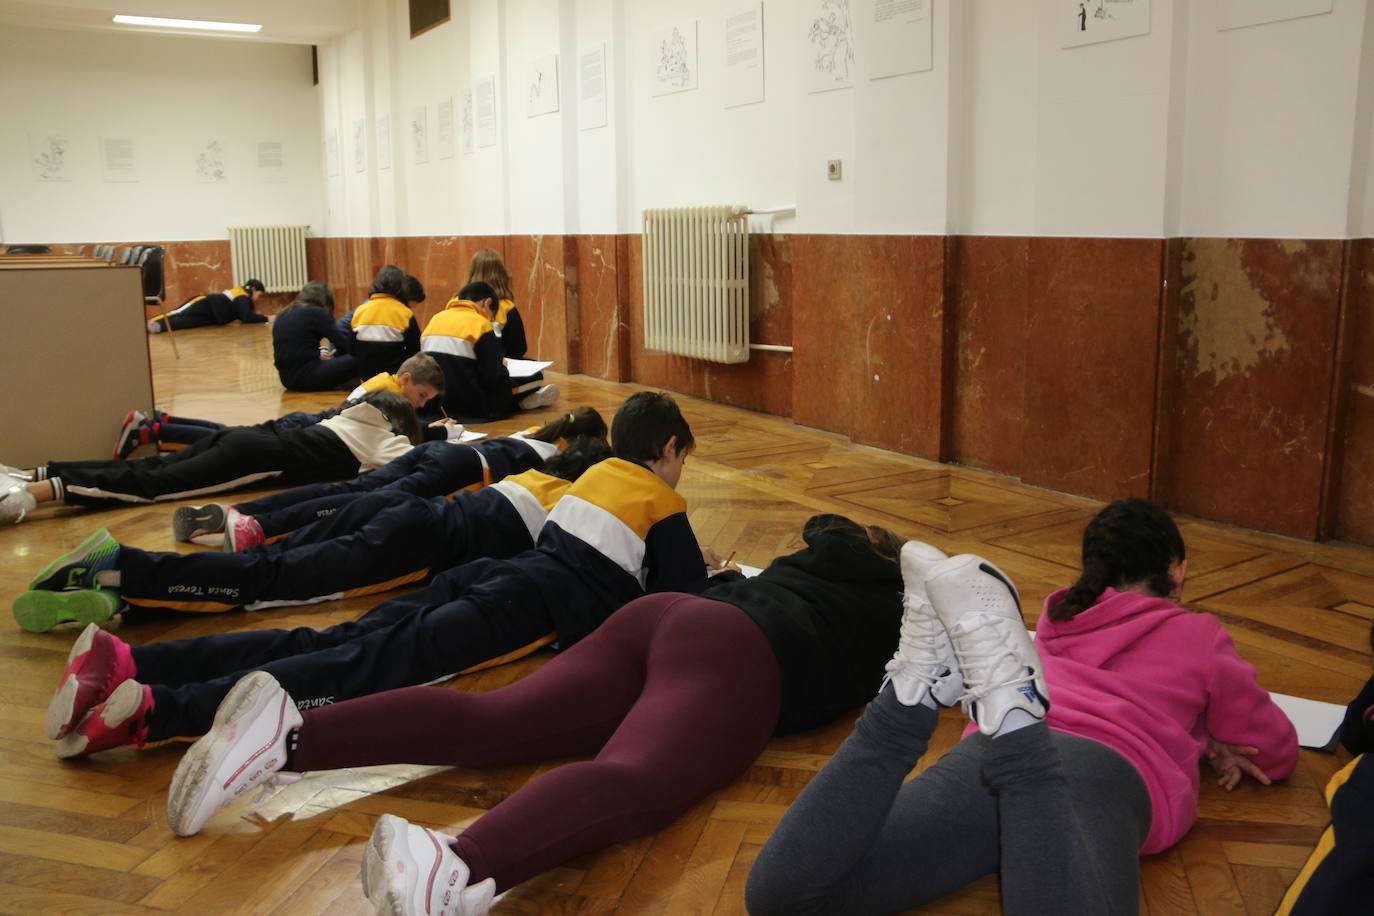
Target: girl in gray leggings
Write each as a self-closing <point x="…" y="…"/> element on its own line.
<point x="1060" y="800"/>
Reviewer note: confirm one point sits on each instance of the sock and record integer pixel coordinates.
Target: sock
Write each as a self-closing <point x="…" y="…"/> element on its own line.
<point x="293" y="739"/>
<point x="1014" y="719"/>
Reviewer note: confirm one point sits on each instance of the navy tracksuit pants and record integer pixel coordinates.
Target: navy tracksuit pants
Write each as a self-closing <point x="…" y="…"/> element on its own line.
<point x="483" y="612"/>
<point x="379" y="541"/>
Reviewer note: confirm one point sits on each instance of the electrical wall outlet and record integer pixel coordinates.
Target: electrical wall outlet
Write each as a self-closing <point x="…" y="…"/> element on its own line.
<point x="832" y="169"/>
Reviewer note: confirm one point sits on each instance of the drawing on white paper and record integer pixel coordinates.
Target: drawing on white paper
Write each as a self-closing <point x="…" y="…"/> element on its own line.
<point x="830" y="37"/>
<point x="675" y="59"/>
<point x="469" y="125"/>
<point x="673" y="68"/>
<point x="541" y="94"/>
<point x="210" y="162"/>
<point x="419" y="135"/>
<point x="360" y="145"/>
<point x="1092" y="21"/>
<point x="49" y="156"/>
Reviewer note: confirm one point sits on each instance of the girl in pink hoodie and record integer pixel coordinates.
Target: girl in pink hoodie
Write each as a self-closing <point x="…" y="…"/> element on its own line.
<point x="1082" y="755"/>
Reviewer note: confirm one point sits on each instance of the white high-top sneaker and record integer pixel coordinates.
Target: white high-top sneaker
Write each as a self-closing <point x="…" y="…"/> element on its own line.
<point x="924" y="661"/>
<point x="410" y="870"/>
<point x="981" y="611"/>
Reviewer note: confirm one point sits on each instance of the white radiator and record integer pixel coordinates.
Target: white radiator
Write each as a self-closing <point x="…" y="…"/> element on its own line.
<point x="273" y="254"/>
<point x="696" y="282"/>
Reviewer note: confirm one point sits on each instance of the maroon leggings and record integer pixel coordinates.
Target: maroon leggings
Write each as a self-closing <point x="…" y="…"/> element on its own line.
<point x="674" y="696"/>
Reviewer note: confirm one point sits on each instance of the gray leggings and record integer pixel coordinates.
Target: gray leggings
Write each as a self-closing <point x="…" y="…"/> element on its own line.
<point x="1060" y="817"/>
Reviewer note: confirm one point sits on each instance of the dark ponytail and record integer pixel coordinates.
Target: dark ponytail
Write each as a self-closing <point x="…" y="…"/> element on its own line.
<point x="581" y="421"/>
<point x="1130" y="541"/>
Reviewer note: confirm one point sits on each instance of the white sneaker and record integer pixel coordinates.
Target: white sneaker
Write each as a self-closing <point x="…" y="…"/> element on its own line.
<point x="982" y="614"/>
<point x="543" y="397"/>
<point x="16" y="473"/>
<point x="154" y="327"/>
<point x="15" y="501"/>
<point x="924" y="662"/>
<point x="246" y="747"/>
<point x="409" y="869"/>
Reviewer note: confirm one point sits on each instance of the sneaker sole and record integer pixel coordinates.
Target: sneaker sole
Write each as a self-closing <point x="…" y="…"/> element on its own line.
<point x="40" y="611"/>
<point x="81" y="549"/>
<point x="190" y="521"/>
<point x="187" y="794"/>
<point x="390" y="900"/>
<point x="121" y="704"/>
<point x="130" y="422"/>
<point x="58" y="720"/>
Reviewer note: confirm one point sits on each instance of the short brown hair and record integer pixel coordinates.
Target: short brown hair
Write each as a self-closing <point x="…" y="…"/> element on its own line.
<point x="487" y="267"/>
<point x="424" y="370"/>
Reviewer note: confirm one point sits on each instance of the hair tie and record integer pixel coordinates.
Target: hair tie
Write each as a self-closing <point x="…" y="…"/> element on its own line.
<point x="571" y="418"/>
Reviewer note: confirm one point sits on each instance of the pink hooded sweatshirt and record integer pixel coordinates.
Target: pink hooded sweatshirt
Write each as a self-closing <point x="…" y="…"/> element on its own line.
<point x="1151" y="681"/>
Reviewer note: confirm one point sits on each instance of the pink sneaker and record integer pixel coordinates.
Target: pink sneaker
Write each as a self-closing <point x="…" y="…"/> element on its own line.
<point x="119" y="721"/>
<point x="97" y="663"/>
<point x="241" y="531"/>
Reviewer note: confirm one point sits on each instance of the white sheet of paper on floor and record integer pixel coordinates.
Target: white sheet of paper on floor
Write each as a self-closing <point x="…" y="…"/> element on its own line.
<point x="1316" y="722"/>
<point x="523" y="368"/>
<point x="471" y="435"/>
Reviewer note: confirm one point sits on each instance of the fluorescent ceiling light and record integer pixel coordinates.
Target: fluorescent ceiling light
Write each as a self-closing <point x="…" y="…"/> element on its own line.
<point x="188" y="24"/>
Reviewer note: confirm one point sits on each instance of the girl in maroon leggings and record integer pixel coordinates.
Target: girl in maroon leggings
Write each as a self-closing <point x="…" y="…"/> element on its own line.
<point x="671" y="698"/>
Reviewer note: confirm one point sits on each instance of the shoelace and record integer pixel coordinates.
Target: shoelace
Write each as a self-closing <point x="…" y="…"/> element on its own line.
<point x="983" y="646"/>
<point x="918" y="638"/>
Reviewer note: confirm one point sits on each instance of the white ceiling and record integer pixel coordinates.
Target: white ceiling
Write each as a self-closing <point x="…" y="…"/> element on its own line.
<point x="287" y="21"/>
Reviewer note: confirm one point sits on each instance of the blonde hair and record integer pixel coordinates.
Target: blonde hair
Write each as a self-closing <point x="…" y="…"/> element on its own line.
<point x="487" y="267"/>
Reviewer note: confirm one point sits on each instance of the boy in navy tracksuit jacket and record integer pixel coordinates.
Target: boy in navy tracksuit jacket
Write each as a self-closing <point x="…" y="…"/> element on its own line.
<point x="619" y="531"/>
<point x="382" y="541"/>
<point x="428" y="470"/>
<point x="213" y="308"/>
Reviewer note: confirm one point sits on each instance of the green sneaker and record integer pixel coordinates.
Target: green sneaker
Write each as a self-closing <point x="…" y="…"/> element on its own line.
<point x="40" y="611"/>
<point x="77" y="569"/>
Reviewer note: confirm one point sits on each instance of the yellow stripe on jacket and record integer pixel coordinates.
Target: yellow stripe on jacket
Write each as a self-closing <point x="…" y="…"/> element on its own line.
<point x="612" y="507"/>
<point x="533" y="494"/>
<point x="1324" y="845"/>
<point x="456" y="329"/>
<point x="382" y="319"/>
<point x="382" y="381"/>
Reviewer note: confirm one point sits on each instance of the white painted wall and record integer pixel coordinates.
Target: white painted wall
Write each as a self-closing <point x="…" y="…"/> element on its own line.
<point x="167" y="94"/>
<point x="1270" y="125"/>
<point x="1264" y="131"/>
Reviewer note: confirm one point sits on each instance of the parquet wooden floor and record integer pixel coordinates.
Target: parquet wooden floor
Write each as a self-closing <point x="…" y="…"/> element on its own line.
<point x="90" y="836"/>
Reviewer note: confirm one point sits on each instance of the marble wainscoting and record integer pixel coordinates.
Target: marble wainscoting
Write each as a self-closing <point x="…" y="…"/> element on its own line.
<point x="1055" y="370"/>
<point x="1229" y="378"/>
<point x="1351" y="488"/>
<point x="1250" y="389"/>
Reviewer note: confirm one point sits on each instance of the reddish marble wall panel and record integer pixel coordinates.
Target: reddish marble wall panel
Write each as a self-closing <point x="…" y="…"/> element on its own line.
<point x="869" y="337"/>
<point x="1252" y="385"/>
<point x="1092" y="347"/>
<point x="537" y="265"/>
<point x="1355" y="497"/>
<point x="601" y="347"/>
<point x="763" y="383"/>
<point x="991" y="316"/>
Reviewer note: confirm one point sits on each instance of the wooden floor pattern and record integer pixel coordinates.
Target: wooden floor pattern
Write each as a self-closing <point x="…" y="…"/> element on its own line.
<point x="90" y="836"/>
